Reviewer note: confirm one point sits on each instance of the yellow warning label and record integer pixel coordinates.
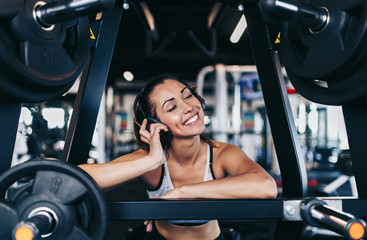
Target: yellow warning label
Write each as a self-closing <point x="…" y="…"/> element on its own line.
<point x="92" y="34"/>
<point x="278" y="39"/>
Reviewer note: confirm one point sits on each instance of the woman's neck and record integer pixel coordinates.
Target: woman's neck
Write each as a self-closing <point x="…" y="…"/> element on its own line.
<point x="186" y="150"/>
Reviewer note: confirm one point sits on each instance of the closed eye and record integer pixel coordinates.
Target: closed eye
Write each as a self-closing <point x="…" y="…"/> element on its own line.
<point x="172" y="108"/>
<point x="188" y="96"/>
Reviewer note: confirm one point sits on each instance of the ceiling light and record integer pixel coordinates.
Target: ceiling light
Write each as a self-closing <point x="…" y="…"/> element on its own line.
<point x="238" y="31"/>
<point x="128" y="76"/>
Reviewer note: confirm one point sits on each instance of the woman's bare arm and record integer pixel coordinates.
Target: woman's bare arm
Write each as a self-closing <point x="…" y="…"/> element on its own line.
<point x="122" y="169"/>
<point x="247" y="180"/>
<point x="129" y="166"/>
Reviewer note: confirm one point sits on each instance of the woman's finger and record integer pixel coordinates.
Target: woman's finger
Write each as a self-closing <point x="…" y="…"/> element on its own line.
<point x="144" y="139"/>
<point x="149" y="225"/>
<point x="144" y="124"/>
<point x="158" y="128"/>
<point x="143" y="127"/>
<point x="152" y="135"/>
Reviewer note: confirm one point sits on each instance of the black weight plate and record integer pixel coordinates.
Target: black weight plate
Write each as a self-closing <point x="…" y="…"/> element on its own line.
<point x="319" y="55"/>
<point x="9" y="8"/>
<point x="38" y="64"/>
<point x="357" y="61"/>
<point x="25" y="196"/>
<point x="63" y="188"/>
<point x="352" y="88"/>
<point x="8" y="218"/>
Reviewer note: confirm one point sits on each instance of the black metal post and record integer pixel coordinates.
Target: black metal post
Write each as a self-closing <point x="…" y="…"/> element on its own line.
<point x="265" y="160"/>
<point x="355" y="117"/>
<point x="291" y="162"/>
<point x="86" y="106"/>
<point x="9" y="119"/>
<point x="288" y="149"/>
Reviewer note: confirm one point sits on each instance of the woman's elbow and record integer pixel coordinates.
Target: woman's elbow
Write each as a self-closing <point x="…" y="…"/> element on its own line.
<point x="270" y="188"/>
<point x="87" y="168"/>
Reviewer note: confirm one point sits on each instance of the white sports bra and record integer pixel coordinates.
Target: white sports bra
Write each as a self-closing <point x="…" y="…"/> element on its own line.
<point x="166" y="185"/>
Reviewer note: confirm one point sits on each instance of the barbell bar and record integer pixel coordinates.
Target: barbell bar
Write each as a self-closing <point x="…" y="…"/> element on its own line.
<point x="56" y="12"/>
<point x="316" y="18"/>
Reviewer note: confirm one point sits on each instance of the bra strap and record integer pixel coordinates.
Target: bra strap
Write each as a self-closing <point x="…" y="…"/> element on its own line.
<point x="211" y="162"/>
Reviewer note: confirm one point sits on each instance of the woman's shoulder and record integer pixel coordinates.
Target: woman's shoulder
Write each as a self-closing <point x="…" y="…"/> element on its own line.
<point x="222" y="146"/>
<point x="227" y="157"/>
<point x="230" y="157"/>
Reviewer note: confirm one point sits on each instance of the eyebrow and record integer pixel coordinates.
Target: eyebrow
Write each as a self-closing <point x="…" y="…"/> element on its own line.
<point x="168" y="100"/>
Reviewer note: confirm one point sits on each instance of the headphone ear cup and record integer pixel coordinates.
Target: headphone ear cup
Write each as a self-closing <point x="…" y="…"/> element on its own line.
<point x="194" y="92"/>
<point x="201" y="100"/>
<point x="165" y="136"/>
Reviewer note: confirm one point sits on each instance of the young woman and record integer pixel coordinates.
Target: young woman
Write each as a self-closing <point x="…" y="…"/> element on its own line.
<point x="177" y="161"/>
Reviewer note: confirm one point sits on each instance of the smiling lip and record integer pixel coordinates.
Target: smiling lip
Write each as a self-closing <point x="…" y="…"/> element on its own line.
<point x="191" y="120"/>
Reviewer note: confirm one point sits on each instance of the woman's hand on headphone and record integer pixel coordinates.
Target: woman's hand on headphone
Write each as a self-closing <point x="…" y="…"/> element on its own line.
<point x="152" y="138"/>
<point x="145" y="135"/>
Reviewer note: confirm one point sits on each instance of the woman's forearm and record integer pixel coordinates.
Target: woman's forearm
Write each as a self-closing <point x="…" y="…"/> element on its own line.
<point x="111" y="174"/>
<point x="249" y="185"/>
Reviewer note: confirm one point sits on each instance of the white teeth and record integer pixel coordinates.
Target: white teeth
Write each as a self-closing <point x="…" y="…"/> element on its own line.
<point x="191" y="120"/>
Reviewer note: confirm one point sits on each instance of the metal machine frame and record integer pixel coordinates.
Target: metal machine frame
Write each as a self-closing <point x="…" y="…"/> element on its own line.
<point x="291" y="162"/>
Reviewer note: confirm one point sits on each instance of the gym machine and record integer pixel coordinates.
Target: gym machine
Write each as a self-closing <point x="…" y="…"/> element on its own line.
<point x="48" y="208"/>
<point x="221" y="99"/>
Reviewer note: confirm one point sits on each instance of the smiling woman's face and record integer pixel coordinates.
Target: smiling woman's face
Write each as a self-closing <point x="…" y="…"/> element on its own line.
<point x="178" y="109"/>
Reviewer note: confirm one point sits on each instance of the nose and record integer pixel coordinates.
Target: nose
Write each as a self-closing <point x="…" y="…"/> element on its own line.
<point x="187" y="107"/>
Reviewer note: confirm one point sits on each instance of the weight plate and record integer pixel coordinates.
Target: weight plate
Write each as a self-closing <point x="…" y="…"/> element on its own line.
<point x="38" y="63"/>
<point x="9" y="8"/>
<point x="320" y="55"/>
<point x="67" y="190"/>
<point x="352" y="88"/>
<point x="9" y="216"/>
